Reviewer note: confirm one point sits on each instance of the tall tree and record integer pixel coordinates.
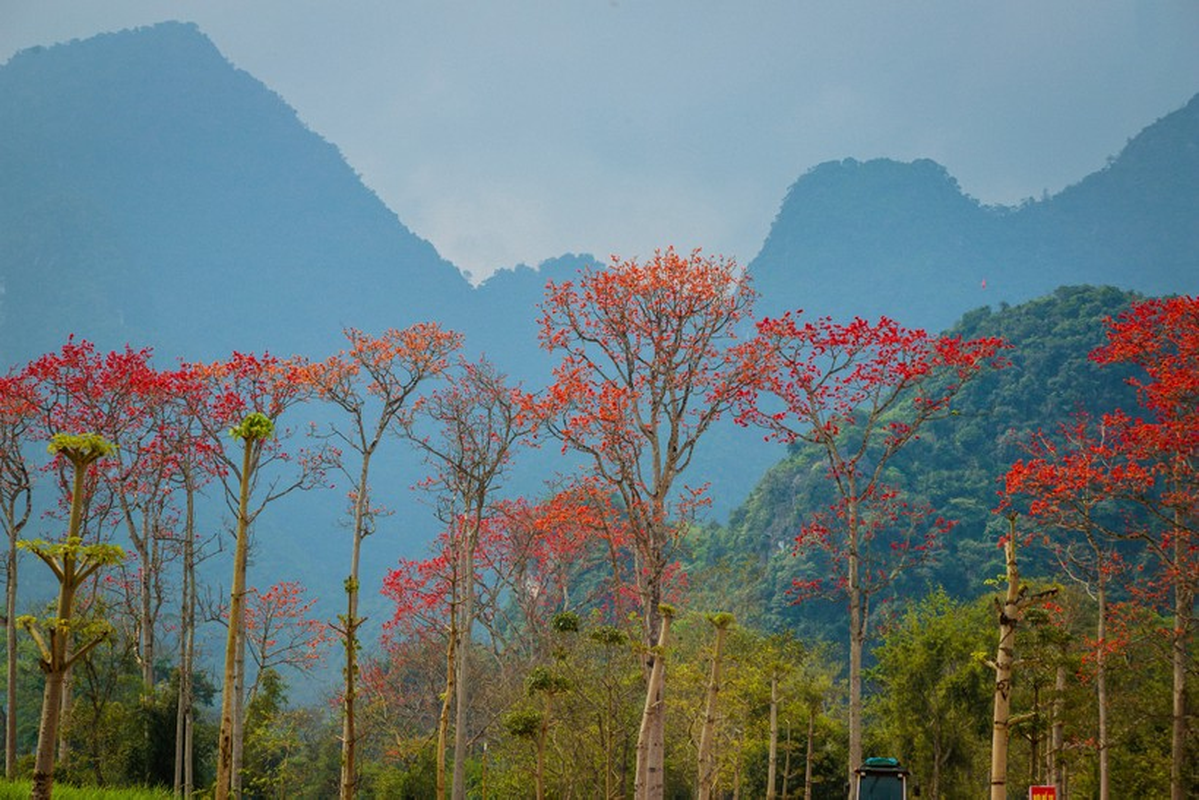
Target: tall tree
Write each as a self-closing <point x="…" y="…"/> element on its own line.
<point x="372" y="383"/>
<point x="860" y="392"/>
<point x="1159" y="468"/>
<point x="244" y="398"/>
<point x="649" y="361"/>
<point x="1067" y="480"/>
<point x="478" y="421"/>
<point x="72" y="563"/>
<point x="18" y="409"/>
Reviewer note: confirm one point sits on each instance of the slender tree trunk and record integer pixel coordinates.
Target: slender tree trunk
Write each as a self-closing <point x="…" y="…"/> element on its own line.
<point x="811" y="752"/>
<point x="443" y="720"/>
<point x="187" y="638"/>
<point x="1183" y="607"/>
<point x="707" y="739"/>
<point x="857" y="638"/>
<point x="224" y="779"/>
<point x="10" y="638"/>
<point x="349" y="734"/>
<point x="462" y="687"/>
<point x="1058" y="734"/>
<point x="649" y="780"/>
<point x="771" y="777"/>
<point x="1009" y="615"/>
<point x="47" y="737"/>
<point x="1101" y="687"/>
<point x="239" y="713"/>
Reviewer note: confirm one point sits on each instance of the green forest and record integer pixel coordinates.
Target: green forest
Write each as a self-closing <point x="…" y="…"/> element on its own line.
<point x="976" y="553"/>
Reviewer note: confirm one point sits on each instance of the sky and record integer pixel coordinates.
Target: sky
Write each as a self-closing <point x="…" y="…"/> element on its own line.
<point x="514" y="131"/>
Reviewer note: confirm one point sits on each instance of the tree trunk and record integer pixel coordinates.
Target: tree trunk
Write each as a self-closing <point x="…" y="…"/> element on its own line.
<point x="443" y="720"/>
<point x="239" y="713"/>
<point x="1009" y="615"/>
<point x="707" y="757"/>
<point x="349" y="733"/>
<point x="1184" y="601"/>
<point x="47" y="736"/>
<point x="772" y="764"/>
<point x="807" y="770"/>
<point x="467" y="609"/>
<point x="857" y="638"/>
<point x="224" y="775"/>
<point x="649" y="780"/>
<point x="187" y="638"/>
<point x="10" y="638"/>
<point x="1101" y="687"/>
<point x="1058" y="734"/>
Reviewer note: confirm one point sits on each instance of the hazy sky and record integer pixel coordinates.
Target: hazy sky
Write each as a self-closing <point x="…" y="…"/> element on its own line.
<point x="513" y="131"/>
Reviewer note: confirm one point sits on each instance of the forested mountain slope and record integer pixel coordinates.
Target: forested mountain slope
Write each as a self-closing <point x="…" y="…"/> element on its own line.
<point x="955" y="465"/>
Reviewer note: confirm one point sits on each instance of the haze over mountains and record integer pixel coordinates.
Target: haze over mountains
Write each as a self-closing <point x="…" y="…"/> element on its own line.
<point x="152" y="193"/>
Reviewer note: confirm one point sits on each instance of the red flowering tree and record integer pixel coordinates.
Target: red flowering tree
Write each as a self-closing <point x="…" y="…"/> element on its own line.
<point x="280" y="632"/>
<point x="860" y="392"/>
<point x="477" y="422"/>
<point x="244" y="397"/>
<point x="649" y="361"/>
<point x="18" y="411"/>
<point x="372" y="382"/>
<point x="1067" y="485"/>
<point x="1158" y="466"/>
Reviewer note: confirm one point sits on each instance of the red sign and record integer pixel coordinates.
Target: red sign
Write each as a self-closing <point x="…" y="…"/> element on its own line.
<point x="1042" y="793"/>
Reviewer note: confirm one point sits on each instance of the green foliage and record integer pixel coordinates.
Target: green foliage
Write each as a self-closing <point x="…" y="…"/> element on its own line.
<point x="82" y="447"/>
<point x="932" y="707"/>
<point x="255" y="427"/>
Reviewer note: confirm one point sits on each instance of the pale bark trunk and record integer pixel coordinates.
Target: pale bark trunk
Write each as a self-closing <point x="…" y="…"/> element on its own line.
<point x="349" y="732"/>
<point x="47" y="736"/>
<point x="771" y="776"/>
<point x="807" y="771"/>
<point x="707" y="739"/>
<point x="461" y="689"/>
<point x="239" y="714"/>
<point x="187" y="627"/>
<point x="1101" y="688"/>
<point x="857" y="638"/>
<point x="224" y="779"/>
<point x="443" y="720"/>
<point x="649" y="780"/>
<point x="10" y="638"/>
<point x="1005" y="654"/>
<point x="1184" y="600"/>
<point x="1058" y="734"/>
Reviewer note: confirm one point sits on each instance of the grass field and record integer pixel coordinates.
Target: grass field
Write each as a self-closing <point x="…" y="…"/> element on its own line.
<point x="19" y="790"/>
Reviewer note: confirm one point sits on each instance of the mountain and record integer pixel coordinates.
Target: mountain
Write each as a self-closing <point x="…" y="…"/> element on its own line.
<point x="151" y="192"/>
<point x="954" y="466"/>
<point x="884" y="237"/>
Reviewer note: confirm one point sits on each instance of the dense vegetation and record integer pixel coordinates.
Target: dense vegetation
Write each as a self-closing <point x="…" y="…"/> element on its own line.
<point x="557" y="661"/>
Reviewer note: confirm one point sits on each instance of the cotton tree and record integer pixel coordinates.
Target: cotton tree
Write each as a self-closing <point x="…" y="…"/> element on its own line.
<point x="1067" y="484"/>
<point x="72" y="563"/>
<point x="121" y="396"/>
<point x="1158" y="468"/>
<point x="18" y="410"/>
<point x="372" y="383"/>
<point x="477" y="421"/>
<point x="860" y="392"/>
<point x="649" y="361"/>
<point x="280" y="631"/>
<point x="242" y="401"/>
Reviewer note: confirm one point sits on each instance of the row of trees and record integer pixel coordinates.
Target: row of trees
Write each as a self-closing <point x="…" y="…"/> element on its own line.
<point x="650" y="356"/>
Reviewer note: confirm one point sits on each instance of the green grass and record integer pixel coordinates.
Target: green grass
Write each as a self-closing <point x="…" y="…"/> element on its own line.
<point x="19" y="790"/>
